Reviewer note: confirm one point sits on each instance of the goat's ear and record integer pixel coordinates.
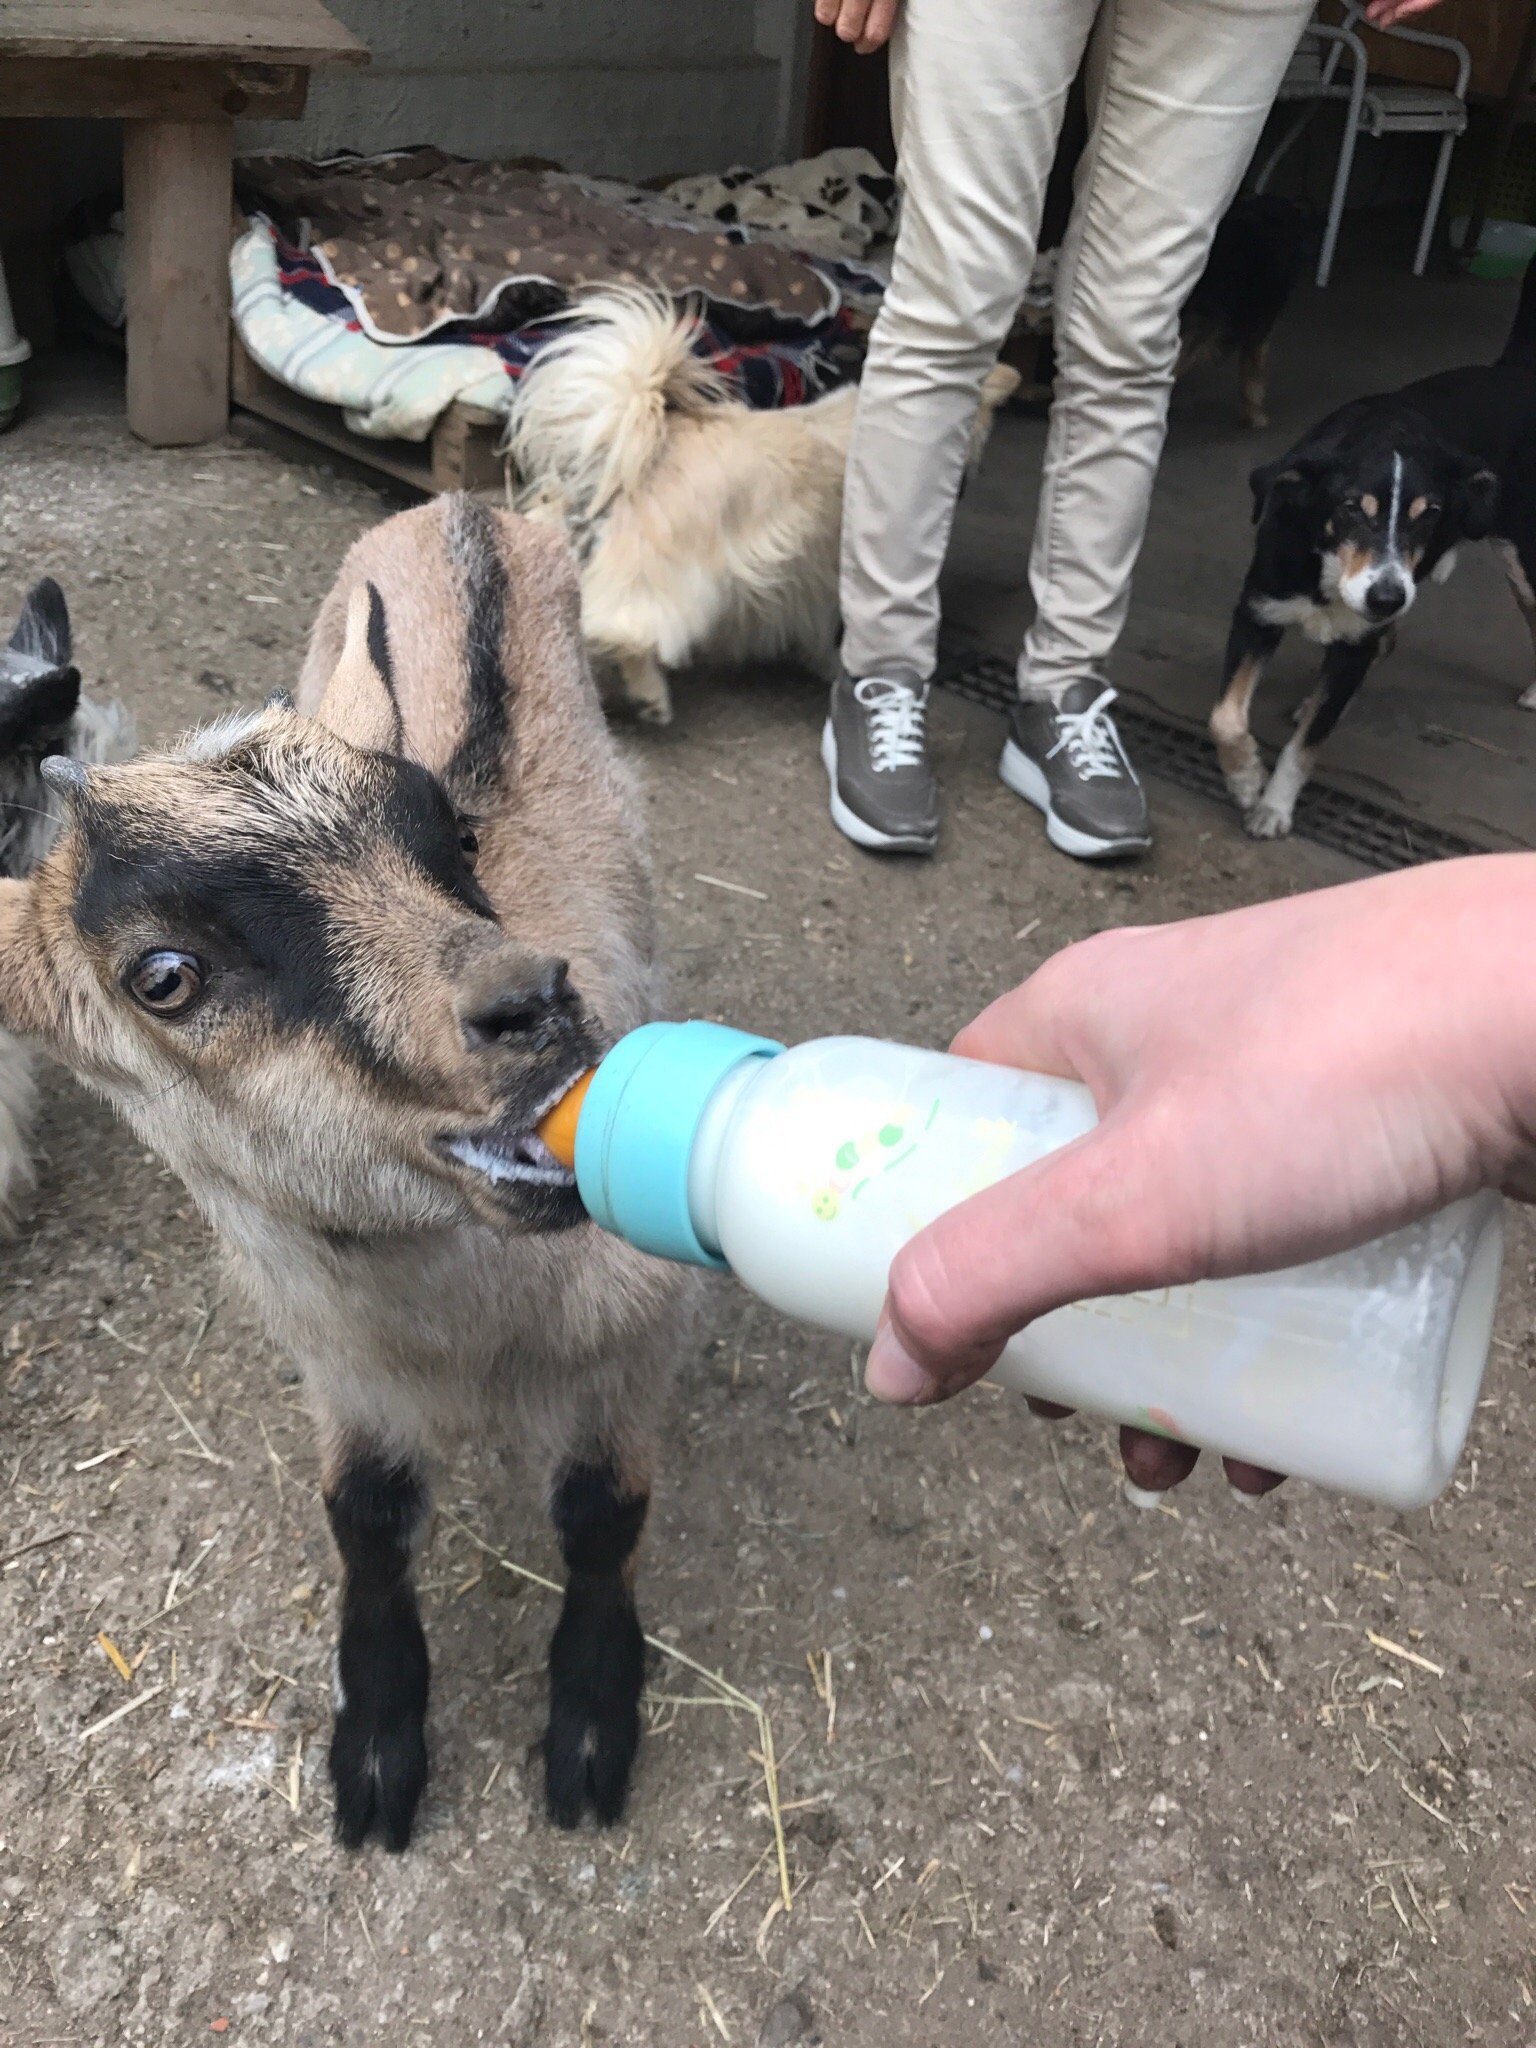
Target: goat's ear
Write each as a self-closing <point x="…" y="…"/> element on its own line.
<point x="1474" y="500"/>
<point x="21" y="1004"/>
<point x="359" y="704"/>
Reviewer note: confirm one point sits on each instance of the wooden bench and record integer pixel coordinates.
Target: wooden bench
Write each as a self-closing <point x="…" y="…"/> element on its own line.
<point x="178" y="74"/>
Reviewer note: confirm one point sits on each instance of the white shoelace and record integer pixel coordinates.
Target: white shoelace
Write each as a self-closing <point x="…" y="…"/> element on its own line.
<point x="1092" y="744"/>
<point x="896" y="716"/>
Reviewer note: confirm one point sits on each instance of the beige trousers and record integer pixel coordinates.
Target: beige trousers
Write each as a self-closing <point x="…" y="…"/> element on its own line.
<point x="1178" y="93"/>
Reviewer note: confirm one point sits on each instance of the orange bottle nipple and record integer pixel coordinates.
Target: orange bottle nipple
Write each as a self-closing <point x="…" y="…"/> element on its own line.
<point x="558" y="1130"/>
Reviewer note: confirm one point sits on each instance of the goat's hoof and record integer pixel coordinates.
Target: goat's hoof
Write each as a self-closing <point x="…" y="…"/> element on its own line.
<point x="378" y="1772"/>
<point x="1267" y="821"/>
<point x="594" y="1734"/>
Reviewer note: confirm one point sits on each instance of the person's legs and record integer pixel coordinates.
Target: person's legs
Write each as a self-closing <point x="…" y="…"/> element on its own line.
<point x="977" y="93"/>
<point x="1179" y="91"/>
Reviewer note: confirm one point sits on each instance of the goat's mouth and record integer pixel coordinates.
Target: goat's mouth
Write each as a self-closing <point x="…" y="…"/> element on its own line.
<point x="509" y="1158"/>
<point x="512" y="1171"/>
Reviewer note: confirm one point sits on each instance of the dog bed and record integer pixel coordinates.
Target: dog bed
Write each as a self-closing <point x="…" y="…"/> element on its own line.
<point x="395" y="286"/>
<point x="838" y="204"/>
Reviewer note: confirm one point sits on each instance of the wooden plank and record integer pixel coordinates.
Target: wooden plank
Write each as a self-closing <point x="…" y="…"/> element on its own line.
<point x="254" y="391"/>
<point x="461" y="456"/>
<point x="177" y="194"/>
<point x="269" y="31"/>
<point x="142" y="90"/>
<point x="464" y="456"/>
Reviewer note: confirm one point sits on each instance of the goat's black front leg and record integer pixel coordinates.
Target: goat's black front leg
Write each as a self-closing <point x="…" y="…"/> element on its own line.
<point x="377" y="1505"/>
<point x="597" y="1654"/>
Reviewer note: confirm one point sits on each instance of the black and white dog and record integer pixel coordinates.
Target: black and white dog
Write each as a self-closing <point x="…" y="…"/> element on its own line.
<point x="1352" y="519"/>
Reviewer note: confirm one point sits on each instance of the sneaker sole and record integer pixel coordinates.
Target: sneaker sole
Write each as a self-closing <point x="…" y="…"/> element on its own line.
<point x="1026" y="778"/>
<point x="858" y="829"/>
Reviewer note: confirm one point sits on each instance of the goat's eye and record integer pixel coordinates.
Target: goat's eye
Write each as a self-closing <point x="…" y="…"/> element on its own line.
<point x="469" y="846"/>
<point x="166" y="983"/>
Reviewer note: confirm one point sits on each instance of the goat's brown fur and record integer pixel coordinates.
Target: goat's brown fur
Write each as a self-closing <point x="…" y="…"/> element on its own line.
<point x="366" y="1003"/>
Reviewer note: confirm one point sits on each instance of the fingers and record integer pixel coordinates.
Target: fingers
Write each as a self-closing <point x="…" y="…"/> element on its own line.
<point x="1154" y="1463"/>
<point x="864" y="23"/>
<point x="878" y="24"/>
<point x="1252" y="1481"/>
<point x="1085" y="1221"/>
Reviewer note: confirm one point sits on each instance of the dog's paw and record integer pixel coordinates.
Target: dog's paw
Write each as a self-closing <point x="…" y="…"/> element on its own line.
<point x="1527" y="700"/>
<point x="594" y="1721"/>
<point x="1247" y="785"/>
<point x="1267" y="821"/>
<point x="378" y="1772"/>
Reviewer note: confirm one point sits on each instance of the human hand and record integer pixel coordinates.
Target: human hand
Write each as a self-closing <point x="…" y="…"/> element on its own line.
<point x="867" y="24"/>
<point x="1383" y="13"/>
<point x="1273" y="1084"/>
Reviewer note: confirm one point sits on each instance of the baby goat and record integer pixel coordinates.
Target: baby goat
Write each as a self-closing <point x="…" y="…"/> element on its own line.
<point x="42" y="712"/>
<point x="334" y="969"/>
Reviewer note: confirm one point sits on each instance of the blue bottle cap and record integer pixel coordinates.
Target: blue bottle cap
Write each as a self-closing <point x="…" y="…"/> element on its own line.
<point x="637" y="1128"/>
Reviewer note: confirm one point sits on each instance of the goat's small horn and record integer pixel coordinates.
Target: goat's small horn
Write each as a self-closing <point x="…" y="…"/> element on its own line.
<point x="67" y="777"/>
<point x="279" y="700"/>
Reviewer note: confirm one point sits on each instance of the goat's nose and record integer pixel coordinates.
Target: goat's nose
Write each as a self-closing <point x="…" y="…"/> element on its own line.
<point x="526" y="1007"/>
<point x="1388" y="594"/>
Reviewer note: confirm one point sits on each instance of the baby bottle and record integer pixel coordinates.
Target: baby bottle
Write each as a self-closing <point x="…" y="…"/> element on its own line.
<point x="804" y="1171"/>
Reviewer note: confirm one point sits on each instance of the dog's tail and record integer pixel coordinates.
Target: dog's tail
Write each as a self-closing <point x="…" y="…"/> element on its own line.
<point x="591" y="415"/>
<point x="1521" y="344"/>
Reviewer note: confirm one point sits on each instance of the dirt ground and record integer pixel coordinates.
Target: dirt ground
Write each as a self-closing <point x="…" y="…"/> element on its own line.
<point x="1054" y="1771"/>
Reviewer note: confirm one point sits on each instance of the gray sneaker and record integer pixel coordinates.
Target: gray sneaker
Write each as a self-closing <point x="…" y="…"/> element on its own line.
<point x="1066" y="759"/>
<point x="875" y="752"/>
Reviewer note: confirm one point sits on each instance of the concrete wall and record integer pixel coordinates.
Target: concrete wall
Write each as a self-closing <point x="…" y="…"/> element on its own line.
<point x="635" y="88"/>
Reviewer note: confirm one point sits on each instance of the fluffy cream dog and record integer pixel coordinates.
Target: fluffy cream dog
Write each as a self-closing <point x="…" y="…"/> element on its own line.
<point x="703" y="527"/>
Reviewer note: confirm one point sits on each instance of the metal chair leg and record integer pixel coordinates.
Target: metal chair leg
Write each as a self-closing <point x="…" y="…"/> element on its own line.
<point x="1336" y="204"/>
<point x="1283" y="147"/>
<point x="1432" y="210"/>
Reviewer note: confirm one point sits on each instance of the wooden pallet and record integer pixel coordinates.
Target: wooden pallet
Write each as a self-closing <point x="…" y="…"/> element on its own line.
<point x="460" y="455"/>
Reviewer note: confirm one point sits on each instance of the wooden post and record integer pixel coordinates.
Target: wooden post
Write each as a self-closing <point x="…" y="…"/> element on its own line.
<point x="177" y="189"/>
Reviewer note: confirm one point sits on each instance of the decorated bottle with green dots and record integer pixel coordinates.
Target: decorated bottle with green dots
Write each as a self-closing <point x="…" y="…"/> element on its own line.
<point x="804" y="1172"/>
<point x="809" y="1169"/>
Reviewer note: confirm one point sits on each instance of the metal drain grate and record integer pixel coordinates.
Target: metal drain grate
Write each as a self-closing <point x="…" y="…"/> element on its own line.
<point x="1367" y="832"/>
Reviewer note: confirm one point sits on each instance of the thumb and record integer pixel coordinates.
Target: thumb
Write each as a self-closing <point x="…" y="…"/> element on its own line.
<point x="1086" y="1221"/>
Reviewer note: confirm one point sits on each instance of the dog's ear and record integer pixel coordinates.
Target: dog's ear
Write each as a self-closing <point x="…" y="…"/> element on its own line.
<point x="359" y="702"/>
<point x="1472" y="501"/>
<point x="1290" y="480"/>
